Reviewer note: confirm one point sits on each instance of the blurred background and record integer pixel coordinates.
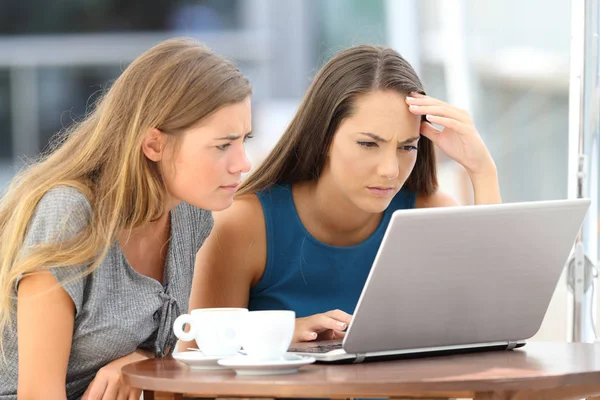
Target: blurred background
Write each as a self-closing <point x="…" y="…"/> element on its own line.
<point x="501" y="60"/>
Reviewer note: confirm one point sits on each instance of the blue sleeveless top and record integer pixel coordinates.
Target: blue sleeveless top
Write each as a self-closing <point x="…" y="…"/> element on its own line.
<point x="305" y="275"/>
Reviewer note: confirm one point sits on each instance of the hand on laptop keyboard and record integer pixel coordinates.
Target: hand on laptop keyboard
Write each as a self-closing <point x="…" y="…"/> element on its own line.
<point x="327" y="326"/>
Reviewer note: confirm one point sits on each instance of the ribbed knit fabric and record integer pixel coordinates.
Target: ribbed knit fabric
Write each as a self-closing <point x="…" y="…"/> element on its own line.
<point x="118" y="310"/>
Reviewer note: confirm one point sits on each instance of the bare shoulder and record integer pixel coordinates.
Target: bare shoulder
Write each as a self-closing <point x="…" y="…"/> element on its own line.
<point x="238" y="241"/>
<point x="233" y="257"/>
<point x="436" y="199"/>
<point x="244" y="219"/>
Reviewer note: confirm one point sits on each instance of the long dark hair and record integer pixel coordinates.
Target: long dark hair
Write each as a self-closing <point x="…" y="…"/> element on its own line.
<point x="300" y="153"/>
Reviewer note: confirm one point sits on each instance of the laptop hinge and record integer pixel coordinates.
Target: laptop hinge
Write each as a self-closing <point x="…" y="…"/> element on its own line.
<point x="511" y="345"/>
<point x="359" y="358"/>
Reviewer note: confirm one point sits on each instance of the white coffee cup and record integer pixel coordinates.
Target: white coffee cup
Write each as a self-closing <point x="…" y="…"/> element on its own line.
<point x="216" y="330"/>
<point x="267" y="335"/>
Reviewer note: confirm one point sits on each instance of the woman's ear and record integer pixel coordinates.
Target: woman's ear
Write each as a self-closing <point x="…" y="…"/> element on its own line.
<point x="153" y="144"/>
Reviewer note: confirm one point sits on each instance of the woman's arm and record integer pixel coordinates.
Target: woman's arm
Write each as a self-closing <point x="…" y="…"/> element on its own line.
<point x="486" y="189"/>
<point x="45" y="320"/>
<point x="460" y="140"/>
<point x="231" y="260"/>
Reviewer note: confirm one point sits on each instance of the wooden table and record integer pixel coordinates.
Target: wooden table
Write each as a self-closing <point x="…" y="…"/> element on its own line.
<point x="538" y="371"/>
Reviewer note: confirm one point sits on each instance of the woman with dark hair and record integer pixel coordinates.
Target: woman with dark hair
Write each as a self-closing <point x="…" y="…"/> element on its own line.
<point x="305" y="227"/>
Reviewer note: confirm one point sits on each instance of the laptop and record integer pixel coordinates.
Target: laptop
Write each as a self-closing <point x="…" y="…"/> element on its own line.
<point x="458" y="279"/>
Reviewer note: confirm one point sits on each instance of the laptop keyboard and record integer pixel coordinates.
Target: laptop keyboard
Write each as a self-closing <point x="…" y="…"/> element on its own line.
<point x="318" y="348"/>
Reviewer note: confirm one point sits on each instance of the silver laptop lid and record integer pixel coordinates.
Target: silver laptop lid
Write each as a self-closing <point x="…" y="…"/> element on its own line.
<point x="464" y="275"/>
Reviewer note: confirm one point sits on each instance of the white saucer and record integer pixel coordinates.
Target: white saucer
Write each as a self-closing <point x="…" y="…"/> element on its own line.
<point x="196" y="360"/>
<point x="245" y="365"/>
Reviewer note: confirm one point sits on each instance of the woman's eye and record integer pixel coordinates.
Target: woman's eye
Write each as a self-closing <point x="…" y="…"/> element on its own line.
<point x="408" y="148"/>
<point x="367" y="144"/>
<point x="224" y="146"/>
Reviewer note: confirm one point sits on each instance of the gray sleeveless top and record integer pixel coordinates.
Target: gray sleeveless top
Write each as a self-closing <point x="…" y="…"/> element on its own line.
<point x="117" y="309"/>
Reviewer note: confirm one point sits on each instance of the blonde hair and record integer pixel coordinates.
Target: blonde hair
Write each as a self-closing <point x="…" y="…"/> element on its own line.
<point x="170" y="87"/>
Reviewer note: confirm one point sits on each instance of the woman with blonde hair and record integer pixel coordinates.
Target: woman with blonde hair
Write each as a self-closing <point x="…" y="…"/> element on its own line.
<point x="306" y="225"/>
<point x="98" y="237"/>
